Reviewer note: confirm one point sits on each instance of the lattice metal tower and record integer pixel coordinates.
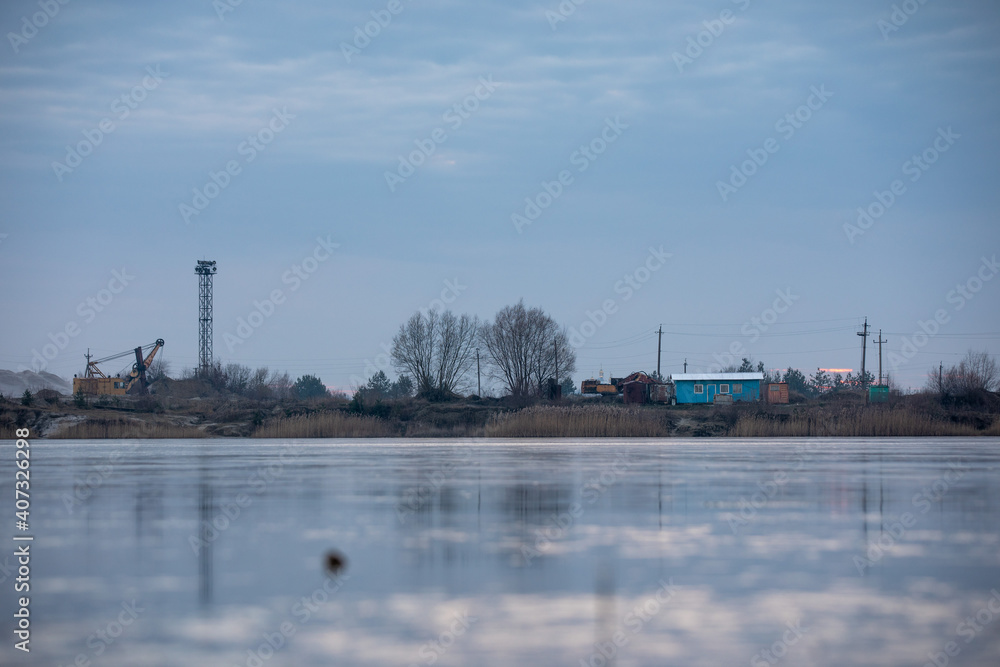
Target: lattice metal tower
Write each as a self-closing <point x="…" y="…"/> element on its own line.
<point x="205" y="270"/>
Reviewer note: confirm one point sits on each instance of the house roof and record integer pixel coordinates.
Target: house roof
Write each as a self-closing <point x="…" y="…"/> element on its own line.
<point x="709" y="377"/>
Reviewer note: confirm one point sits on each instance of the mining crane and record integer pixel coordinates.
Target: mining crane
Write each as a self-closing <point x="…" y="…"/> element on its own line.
<point x="96" y="383"/>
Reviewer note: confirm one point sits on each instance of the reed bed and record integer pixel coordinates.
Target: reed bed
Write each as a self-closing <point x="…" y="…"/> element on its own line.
<point x="853" y="422"/>
<point x="599" y="421"/>
<point x="111" y="429"/>
<point x="327" y="425"/>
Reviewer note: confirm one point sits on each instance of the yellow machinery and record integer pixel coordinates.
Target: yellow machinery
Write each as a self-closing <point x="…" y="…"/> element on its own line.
<point x="94" y="382"/>
<point x="598" y="386"/>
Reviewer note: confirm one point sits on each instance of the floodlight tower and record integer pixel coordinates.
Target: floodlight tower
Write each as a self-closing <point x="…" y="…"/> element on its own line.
<point x="205" y="270"/>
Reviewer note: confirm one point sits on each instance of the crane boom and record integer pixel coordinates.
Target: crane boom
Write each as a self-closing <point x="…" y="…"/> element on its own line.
<point x="96" y="382"/>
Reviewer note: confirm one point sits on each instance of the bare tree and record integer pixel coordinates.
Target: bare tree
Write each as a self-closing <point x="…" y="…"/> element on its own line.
<point x="552" y="351"/>
<point x="455" y="350"/>
<point x="437" y="350"/>
<point x="158" y="370"/>
<point x="523" y="345"/>
<point x="413" y="349"/>
<point x="976" y="372"/>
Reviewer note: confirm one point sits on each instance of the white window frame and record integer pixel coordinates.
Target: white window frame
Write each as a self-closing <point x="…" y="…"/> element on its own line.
<point x="723" y="388"/>
<point x="738" y="388"/>
<point x="699" y="389"/>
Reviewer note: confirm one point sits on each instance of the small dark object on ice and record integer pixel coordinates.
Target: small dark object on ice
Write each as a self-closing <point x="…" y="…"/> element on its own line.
<point x="335" y="562"/>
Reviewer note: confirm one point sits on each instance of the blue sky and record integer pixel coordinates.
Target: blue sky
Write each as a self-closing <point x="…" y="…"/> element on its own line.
<point x="831" y="103"/>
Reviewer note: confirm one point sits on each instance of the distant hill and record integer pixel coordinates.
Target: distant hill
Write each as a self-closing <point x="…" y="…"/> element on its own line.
<point x="13" y="384"/>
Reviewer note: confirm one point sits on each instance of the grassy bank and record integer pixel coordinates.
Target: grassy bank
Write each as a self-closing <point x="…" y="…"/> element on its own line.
<point x="856" y="421"/>
<point x="597" y="421"/>
<point x="172" y="416"/>
<point x="103" y="429"/>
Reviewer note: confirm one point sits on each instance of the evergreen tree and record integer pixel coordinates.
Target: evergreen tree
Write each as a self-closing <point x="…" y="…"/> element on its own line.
<point x="310" y="386"/>
<point x="402" y="387"/>
<point x="821" y="381"/>
<point x="797" y="382"/>
<point x="378" y="386"/>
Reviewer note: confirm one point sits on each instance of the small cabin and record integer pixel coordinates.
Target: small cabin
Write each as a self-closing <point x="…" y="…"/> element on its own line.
<point x="775" y="392"/>
<point x="705" y="387"/>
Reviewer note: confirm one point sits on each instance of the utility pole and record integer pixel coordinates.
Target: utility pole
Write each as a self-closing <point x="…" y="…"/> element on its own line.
<point x="880" y="341"/>
<point x="479" y="380"/>
<point x="555" y="348"/>
<point x="940" y="377"/>
<point x="864" y="345"/>
<point x="659" y="346"/>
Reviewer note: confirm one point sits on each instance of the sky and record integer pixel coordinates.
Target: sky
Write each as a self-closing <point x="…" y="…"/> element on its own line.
<point x="755" y="177"/>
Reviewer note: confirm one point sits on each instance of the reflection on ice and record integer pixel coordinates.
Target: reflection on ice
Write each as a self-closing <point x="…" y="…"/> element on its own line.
<point x="497" y="553"/>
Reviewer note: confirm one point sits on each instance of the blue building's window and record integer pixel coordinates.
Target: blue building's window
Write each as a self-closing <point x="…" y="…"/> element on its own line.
<point x="737" y="389"/>
<point x="723" y="388"/>
<point x="699" y="389"/>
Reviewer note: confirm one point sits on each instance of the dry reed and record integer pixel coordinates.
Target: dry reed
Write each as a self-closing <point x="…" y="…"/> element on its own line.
<point x="853" y="422"/>
<point x="327" y="425"/>
<point x="601" y="421"/>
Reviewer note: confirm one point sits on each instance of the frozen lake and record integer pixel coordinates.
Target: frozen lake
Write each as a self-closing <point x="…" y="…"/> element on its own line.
<point x="629" y="552"/>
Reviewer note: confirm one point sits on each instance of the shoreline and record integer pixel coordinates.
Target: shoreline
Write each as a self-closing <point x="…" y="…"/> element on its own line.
<point x="166" y="416"/>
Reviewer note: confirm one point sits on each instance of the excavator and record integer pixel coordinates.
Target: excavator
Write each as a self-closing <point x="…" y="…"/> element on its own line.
<point x="95" y="383"/>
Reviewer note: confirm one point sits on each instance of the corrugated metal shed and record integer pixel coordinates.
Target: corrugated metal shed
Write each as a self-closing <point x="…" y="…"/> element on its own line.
<point x="702" y="377"/>
<point x="703" y="387"/>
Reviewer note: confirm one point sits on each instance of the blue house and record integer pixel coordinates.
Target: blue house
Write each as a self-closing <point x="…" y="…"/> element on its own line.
<point x="705" y="387"/>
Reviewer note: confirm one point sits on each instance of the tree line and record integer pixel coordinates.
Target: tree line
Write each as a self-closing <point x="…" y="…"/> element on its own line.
<point x="520" y="348"/>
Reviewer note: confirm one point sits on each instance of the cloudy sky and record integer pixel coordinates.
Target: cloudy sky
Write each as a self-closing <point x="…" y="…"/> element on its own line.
<point x="754" y="176"/>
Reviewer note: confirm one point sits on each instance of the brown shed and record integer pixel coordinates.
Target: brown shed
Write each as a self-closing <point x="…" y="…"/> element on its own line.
<point x="635" y="392"/>
<point x="776" y="392"/>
